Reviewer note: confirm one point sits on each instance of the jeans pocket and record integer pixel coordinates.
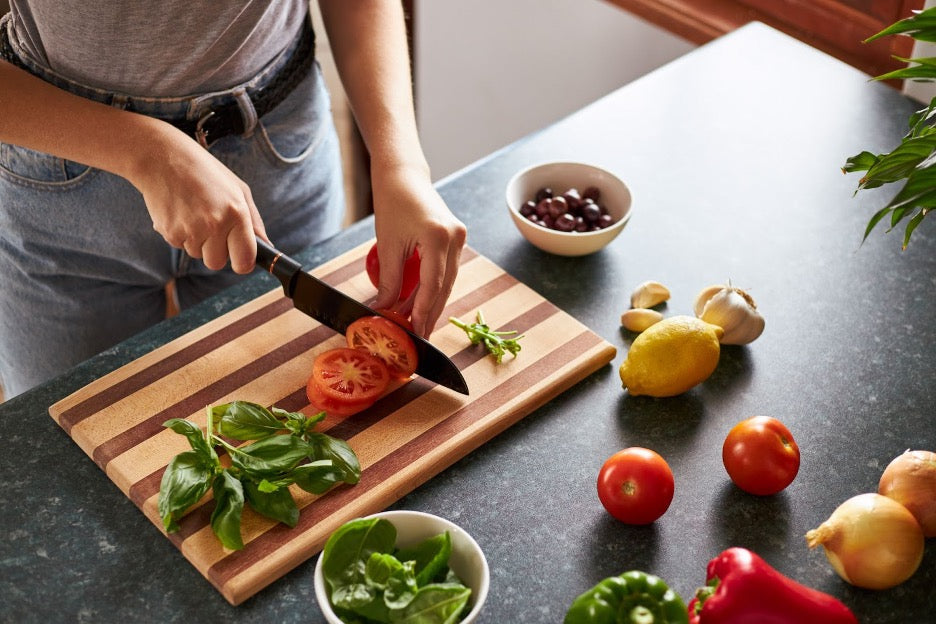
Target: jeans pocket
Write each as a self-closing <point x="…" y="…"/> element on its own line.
<point x="291" y="131"/>
<point x="38" y="169"/>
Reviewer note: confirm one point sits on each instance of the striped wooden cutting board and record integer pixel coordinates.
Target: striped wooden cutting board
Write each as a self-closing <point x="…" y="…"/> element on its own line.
<point x="263" y="351"/>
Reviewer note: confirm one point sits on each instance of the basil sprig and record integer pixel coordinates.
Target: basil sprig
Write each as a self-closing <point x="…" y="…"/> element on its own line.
<point x="285" y="450"/>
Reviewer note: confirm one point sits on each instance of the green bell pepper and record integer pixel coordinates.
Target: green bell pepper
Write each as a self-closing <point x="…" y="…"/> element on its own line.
<point x="632" y="598"/>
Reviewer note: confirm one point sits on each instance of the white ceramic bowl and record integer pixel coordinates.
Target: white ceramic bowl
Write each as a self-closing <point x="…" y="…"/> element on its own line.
<point x="467" y="560"/>
<point x="560" y="177"/>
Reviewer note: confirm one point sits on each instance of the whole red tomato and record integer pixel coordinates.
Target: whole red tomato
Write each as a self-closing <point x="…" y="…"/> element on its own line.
<point x="410" y="271"/>
<point x="761" y="456"/>
<point x="636" y="485"/>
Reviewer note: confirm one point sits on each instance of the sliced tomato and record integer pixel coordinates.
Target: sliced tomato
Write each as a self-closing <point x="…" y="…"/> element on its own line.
<point x="335" y="407"/>
<point x="347" y="379"/>
<point x="386" y="340"/>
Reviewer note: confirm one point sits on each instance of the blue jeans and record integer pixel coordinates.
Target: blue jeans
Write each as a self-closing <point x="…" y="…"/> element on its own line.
<point x="81" y="267"/>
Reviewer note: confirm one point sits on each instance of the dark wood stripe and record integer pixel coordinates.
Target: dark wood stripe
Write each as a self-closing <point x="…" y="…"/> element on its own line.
<point x="421" y="446"/>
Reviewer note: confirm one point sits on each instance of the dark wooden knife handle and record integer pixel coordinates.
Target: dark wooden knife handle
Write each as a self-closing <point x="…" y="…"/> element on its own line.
<point x="278" y="264"/>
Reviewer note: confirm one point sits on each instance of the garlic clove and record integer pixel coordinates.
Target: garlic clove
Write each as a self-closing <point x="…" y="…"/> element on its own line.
<point x="639" y="319"/>
<point x="733" y="310"/>
<point x="649" y="294"/>
<point x="703" y="297"/>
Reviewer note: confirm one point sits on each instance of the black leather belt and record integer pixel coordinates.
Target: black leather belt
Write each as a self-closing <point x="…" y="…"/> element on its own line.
<point x="226" y="119"/>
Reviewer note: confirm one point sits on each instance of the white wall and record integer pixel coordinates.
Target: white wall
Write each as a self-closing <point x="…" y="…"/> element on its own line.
<point x="489" y="72"/>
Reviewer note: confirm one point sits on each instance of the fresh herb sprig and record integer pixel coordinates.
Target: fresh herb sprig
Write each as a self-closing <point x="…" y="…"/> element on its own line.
<point x="285" y="450"/>
<point x="914" y="160"/>
<point x="481" y="333"/>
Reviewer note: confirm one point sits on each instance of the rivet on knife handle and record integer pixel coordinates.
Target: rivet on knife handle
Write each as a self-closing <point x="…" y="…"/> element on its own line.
<point x="278" y="264"/>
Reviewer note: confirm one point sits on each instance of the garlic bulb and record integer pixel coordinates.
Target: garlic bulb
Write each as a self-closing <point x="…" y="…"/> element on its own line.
<point x="733" y="310"/>
<point x="649" y="294"/>
<point x="639" y="319"/>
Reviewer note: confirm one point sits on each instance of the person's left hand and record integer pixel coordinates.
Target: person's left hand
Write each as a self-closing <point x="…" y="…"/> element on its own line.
<point x="411" y="215"/>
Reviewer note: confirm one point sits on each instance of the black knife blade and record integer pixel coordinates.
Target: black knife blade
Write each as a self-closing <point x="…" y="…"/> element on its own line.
<point x="336" y="310"/>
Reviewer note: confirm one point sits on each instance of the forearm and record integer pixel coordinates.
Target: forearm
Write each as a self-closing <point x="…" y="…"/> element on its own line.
<point x="368" y="42"/>
<point x="40" y="116"/>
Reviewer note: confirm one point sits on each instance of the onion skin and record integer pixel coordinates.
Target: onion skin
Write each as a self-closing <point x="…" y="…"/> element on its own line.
<point x="872" y="541"/>
<point x="910" y="479"/>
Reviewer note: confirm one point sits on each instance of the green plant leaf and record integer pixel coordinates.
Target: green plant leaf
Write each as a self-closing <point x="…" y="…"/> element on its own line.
<point x="316" y="477"/>
<point x="187" y="478"/>
<point x="346" y="552"/>
<point x="912" y="224"/>
<point x="277" y="504"/>
<point x="434" y="604"/>
<point x="242" y="420"/>
<point x="195" y="435"/>
<point x="429" y="556"/>
<point x="339" y="452"/>
<point x="229" y="503"/>
<point x="860" y="162"/>
<point x="270" y="456"/>
<point x="921" y="26"/>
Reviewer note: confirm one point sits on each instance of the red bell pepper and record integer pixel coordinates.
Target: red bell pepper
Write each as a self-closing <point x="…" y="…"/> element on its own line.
<point x="742" y="588"/>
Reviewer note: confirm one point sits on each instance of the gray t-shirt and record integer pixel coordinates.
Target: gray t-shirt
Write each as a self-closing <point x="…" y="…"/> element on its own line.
<point x="156" y="48"/>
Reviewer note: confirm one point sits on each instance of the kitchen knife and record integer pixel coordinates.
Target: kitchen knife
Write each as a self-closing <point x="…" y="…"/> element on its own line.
<point x="336" y="310"/>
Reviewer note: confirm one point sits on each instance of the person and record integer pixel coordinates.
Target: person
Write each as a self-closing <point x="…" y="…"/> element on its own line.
<point x="142" y="143"/>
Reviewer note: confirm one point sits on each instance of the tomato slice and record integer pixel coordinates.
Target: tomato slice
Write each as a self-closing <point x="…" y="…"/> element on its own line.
<point x="348" y="377"/>
<point x="386" y="340"/>
<point x="335" y="407"/>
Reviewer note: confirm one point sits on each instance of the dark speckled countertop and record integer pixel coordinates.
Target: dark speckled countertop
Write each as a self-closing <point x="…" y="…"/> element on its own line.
<point x="733" y="154"/>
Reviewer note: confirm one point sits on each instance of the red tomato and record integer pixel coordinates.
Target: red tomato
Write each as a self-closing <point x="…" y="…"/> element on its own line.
<point x="386" y="340"/>
<point x="636" y="485"/>
<point x="346" y="379"/>
<point x="396" y="317"/>
<point x="335" y="407"/>
<point x="760" y="455"/>
<point x="410" y="271"/>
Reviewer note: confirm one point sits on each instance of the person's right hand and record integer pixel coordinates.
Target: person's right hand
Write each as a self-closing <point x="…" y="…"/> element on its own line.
<point x="197" y="204"/>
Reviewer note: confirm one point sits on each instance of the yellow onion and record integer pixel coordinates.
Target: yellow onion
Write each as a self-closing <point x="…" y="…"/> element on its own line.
<point x="872" y="541"/>
<point x="910" y="479"/>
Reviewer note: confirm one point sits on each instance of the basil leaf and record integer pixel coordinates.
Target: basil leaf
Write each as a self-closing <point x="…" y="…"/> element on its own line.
<point x="346" y="461"/>
<point x="277" y="504"/>
<point x="187" y="478"/>
<point x="354" y="596"/>
<point x="348" y="549"/>
<point x="430" y="557"/>
<point x="316" y="477"/>
<point x="434" y="604"/>
<point x="229" y="503"/>
<point x="242" y="420"/>
<point x="270" y="456"/>
<point x="195" y="435"/>
<point x="395" y="578"/>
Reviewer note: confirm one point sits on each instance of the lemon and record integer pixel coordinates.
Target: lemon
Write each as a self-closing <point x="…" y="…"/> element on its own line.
<point x="671" y="356"/>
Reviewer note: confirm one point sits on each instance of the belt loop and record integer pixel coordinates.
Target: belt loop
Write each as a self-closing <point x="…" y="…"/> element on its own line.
<point x="247" y="111"/>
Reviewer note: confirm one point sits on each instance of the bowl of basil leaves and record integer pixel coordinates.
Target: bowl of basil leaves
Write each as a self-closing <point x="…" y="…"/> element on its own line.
<point x="399" y="565"/>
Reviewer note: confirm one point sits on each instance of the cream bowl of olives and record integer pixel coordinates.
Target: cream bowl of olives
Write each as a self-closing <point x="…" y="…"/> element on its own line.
<point x="568" y="208"/>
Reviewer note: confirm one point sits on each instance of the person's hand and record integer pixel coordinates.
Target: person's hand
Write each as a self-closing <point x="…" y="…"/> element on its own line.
<point x="410" y="214"/>
<point x="197" y="204"/>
